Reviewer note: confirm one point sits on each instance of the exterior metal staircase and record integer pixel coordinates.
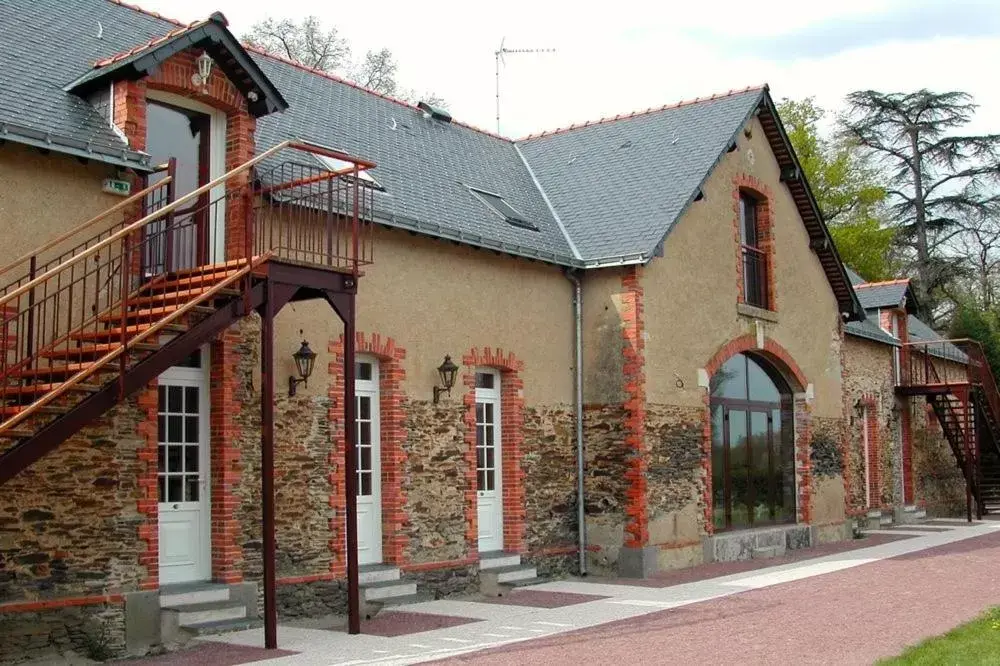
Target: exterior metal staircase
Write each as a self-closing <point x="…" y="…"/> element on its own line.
<point x="97" y="313"/>
<point x="956" y="379"/>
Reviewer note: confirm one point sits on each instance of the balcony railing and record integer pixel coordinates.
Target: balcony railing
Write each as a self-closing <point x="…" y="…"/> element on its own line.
<point x="755" y="277"/>
<point x="87" y="281"/>
<point x="935" y="363"/>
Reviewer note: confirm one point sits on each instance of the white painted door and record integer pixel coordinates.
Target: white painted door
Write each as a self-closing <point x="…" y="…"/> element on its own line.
<point x="489" y="494"/>
<point x="368" y="462"/>
<point x="183" y="465"/>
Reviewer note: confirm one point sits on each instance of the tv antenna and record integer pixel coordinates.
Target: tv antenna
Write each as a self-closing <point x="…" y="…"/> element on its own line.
<point x="499" y="54"/>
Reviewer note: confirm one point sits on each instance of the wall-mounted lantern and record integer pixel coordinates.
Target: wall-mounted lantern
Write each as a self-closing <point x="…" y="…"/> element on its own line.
<point x="305" y="359"/>
<point x="204" y="62"/>
<point x="446" y="371"/>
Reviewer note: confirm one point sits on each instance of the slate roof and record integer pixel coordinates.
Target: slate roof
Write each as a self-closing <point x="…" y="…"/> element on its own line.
<point x="46" y="44"/>
<point x="882" y="294"/>
<point x="604" y="193"/>
<point x="650" y="165"/>
<point x="870" y="330"/>
<point x="425" y="165"/>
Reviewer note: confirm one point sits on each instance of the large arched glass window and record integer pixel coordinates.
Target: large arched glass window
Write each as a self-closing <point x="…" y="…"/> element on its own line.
<point x="753" y="453"/>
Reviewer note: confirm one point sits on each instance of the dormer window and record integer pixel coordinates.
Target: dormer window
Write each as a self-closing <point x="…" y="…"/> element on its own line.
<point x="754" y="254"/>
<point x="496" y="203"/>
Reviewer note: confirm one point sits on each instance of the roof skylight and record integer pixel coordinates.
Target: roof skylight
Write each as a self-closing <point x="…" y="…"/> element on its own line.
<point x="333" y="164"/>
<point x="498" y="205"/>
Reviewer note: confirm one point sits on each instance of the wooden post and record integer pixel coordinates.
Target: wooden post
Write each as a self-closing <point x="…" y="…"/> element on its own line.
<point x="350" y="473"/>
<point x="267" y="463"/>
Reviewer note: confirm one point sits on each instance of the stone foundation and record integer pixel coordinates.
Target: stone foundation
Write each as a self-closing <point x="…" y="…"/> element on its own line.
<point x="97" y="632"/>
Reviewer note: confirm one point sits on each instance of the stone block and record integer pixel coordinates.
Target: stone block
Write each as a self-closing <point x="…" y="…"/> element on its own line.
<point x="637" y="562"/>
<point x="142" y="621"/>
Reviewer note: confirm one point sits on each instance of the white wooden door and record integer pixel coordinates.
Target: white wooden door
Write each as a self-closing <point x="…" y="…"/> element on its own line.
<point x="183" y="465"/>
<point x="489" y="494"/>
<point x="368" y="462"/>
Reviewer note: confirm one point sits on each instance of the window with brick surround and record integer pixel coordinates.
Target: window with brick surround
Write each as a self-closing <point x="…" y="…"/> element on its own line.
<point x="754" y="254"/>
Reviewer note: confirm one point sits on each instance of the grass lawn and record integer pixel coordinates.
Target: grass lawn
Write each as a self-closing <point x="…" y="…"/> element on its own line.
<point x="975" y="643"/>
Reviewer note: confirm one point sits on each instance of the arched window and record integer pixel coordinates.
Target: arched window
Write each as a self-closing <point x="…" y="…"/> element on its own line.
<point x="753" y="453"/>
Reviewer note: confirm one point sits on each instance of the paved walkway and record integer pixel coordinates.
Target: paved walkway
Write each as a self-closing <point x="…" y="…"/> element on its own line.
<point x="848" y="607"/>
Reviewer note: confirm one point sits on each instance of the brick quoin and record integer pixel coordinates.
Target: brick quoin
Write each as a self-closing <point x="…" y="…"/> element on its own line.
<point x="765" y="233"/>
<point x="782" y="360"/>
<point x="147" y="504"/>
<point x="871" y="425"/>
<point x="511" y="447"/>
<point x="634" y="382"/>
<point x="392" y="424"/>
<point x="130" y="116"/>
<point x="226" y="460"/>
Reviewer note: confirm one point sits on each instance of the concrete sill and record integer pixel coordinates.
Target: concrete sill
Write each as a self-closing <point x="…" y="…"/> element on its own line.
<point x="756" y="313"/>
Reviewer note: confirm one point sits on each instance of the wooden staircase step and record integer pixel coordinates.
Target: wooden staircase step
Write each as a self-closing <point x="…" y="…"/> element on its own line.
<point x="130" y="331"/>
<point x="95" y="350"/>
<point x="205" y="279"/>
<point x="231" y="265"/>
<point x="12" y="410"/>
<point x="65" y="369"/>
<point x="10" y="392"/>
<point x="153" y="313"/>
<point x="15" y="433"/>
<point x="183" y="295"/>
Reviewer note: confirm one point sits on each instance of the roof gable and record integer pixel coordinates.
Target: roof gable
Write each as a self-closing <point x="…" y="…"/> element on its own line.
<point x="212" y="35"/>
<point x="619" y="185"/>
<point x="889" y="294"/>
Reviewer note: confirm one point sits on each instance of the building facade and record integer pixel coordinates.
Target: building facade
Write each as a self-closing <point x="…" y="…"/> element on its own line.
<point x="732" y="402"/>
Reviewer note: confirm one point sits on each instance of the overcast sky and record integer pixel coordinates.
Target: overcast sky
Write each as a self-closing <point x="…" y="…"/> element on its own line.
<point x="615" y="57"/>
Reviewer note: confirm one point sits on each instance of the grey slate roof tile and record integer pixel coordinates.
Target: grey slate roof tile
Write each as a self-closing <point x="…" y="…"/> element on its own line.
<point x="46" y="44"/>
<point x="869" y="329"/>
<point x="619" y="186"/>
<point x="888" y="294"/>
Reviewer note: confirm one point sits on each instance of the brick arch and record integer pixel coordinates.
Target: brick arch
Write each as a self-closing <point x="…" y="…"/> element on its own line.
<point x="392" y="437"/>
<point x="765" y="231"/>
<point x="792" y="373"/>
<point x="512" y="446"/>
<point x="772" y="351"/>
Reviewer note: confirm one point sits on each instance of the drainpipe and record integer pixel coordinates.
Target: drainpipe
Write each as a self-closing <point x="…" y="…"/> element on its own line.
<point x="574" y="277"/>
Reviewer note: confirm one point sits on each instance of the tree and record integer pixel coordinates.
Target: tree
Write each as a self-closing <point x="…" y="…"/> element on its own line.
<point x="969" y="321"/>
<point x="846" y="188"/>
<point x="934" y="175"/>
<point x="307" y="42"/>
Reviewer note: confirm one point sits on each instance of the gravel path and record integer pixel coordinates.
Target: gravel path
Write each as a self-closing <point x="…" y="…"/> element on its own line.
<point x="854" y="616"/>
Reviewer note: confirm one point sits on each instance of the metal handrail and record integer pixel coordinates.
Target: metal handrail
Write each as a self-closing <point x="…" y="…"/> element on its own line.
<point x="112" y="292"/>
<point x="122" y="205"/>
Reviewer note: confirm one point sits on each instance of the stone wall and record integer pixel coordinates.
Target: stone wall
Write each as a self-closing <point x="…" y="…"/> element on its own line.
<point x="939" y="483"/>
<point x="869" y="378"/>
<point x="434" y="482"/>
<point x="69" y="524"/>
<point x="96" y="632"/>
<point x="676" y="475"/>
<point x="549" y="466"/>
<point x="604" y="482"/>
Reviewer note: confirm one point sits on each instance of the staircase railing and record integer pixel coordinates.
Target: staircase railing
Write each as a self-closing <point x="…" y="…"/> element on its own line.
<point x="93" y="287"/>
<point x="940" y="362"/>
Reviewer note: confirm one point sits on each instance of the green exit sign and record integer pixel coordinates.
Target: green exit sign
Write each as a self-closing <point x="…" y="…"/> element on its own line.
<point x="122" y="188"/>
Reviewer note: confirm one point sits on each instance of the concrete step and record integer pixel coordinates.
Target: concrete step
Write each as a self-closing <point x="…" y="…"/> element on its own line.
<point x="183" y="594"/>
<point x="387" y="590"/>
<point x="211" y="611"/>
<point x="496" y="582"/>
<point x="498" y="559"/>
<point x="377" y="573"/>
<point x="885" y="520"/>
<point x="224" y="626"/>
